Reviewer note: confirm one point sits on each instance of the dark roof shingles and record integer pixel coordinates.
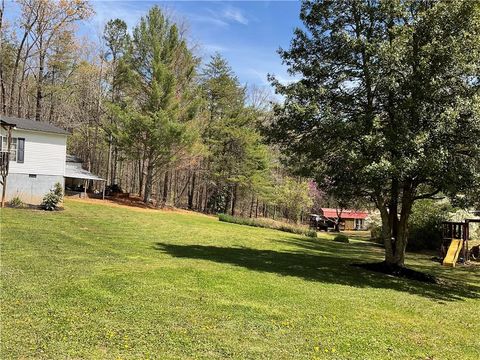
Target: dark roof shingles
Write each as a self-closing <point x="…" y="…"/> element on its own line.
<point x="27" y="124"/>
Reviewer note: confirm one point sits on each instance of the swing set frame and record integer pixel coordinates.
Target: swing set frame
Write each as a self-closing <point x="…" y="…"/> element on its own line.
<point x="457" y="230"/>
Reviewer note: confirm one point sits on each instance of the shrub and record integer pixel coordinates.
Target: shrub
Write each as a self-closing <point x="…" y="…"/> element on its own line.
<point x="425" y="224"/>
<point x="376" y="234"/>
<point x="16" y="202"/>
<point x="113" y="189"/>
<point x="294" y="198"/>
<point x="269" y="224"/>
<point x="341" y="238"/>
<point x="51" y="199"/>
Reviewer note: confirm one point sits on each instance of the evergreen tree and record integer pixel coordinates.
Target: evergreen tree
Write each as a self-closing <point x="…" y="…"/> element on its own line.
<point x="236" y="156"/>
<point x="161" y="72"/>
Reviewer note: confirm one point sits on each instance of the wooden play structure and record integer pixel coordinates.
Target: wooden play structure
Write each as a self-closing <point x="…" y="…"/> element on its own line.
<point x="455" y="242"/>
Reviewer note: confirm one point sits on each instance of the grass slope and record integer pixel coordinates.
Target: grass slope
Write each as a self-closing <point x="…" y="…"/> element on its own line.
<point x="115" y="283"/>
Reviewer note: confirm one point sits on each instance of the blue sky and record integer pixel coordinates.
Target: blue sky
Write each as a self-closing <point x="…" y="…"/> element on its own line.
<point x="247" y="33"/>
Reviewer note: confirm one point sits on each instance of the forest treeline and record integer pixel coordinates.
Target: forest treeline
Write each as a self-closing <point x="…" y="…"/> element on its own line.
<point x="145" y="112"/>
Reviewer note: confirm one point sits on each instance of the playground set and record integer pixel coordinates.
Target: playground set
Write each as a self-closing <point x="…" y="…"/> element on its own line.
<point x="454" y="247"/>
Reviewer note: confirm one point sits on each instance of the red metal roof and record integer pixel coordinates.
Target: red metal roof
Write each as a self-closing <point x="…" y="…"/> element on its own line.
<point x="345" y="214"/>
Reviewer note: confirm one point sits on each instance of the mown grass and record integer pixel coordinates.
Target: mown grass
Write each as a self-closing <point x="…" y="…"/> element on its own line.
<point x="99" y="282"/>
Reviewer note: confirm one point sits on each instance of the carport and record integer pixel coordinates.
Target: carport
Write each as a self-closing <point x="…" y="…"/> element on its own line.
<point x="75" y="177"/>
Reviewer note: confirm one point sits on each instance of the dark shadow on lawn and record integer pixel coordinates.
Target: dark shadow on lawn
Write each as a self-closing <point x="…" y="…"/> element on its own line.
<point x="325" y="263"/>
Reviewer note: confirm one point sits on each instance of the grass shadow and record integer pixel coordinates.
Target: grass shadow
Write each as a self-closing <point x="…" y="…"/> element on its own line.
<point x="323" y="262"/>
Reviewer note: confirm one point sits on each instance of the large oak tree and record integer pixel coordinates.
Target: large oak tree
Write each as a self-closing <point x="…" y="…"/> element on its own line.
<point x="388" y="103"/>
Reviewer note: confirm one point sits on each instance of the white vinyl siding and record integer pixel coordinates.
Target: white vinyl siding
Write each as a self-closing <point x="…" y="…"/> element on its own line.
<point x="44" y="154"/>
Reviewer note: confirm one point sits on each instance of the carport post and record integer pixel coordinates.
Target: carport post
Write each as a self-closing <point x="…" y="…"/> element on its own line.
<point x="103" y="191"/>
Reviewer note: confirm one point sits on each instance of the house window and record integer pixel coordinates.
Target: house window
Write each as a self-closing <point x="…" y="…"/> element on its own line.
<point x="13" y="147"/>
<point x="17" y="148"/>
<point x="359" y="224"/>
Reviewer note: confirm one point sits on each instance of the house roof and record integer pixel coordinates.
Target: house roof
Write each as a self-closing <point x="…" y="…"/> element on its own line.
<point x="345" y="214"/>
<point x="27" y="124"/>
<point x="76" y="173"/>
<point x="73" y="158"/>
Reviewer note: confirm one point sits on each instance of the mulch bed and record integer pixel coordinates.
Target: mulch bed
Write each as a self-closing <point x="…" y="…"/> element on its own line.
<point x="398" y="271"/>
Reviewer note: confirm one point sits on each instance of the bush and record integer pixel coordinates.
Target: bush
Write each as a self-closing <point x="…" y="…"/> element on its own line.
<point x="294" y="198"/>
<point x="341" y="238"/>
<point x="51" y="199"/>
<point x="113" y="189"/>
<point x="376" y="234"/>
<point x="425" y="224"/>
<point x="269" y="224"/>
<point x="311" y="233"/>
<point x="16" y="202"/>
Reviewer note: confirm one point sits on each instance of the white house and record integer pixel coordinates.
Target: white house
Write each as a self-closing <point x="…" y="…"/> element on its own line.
<point x="37" y="159"/>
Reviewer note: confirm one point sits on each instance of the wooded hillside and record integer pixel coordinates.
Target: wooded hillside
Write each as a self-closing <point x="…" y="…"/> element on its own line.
<point x="145" y="111"/>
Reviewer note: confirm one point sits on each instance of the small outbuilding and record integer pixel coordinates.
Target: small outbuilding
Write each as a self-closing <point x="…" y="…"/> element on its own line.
<point x="346" y="218"/>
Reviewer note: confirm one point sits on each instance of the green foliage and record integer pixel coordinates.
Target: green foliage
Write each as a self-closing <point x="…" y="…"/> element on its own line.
<point x="116" y="39"/>
<point x="158" y="73"/>
<point x="370" y="117"/>
<point x="236" y="157"/>
<point x="52" y="198"/>
<point x="268" y="223"/>
<point x="376" y="234"/>
<point x="425" y="224"/>
<point x="16" y="202"/>
<point x="342" y="238"/>
<point x="294" y="197"/>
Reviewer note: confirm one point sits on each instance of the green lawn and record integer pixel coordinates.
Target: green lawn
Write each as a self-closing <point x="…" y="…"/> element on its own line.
<point x="103" y="282"/>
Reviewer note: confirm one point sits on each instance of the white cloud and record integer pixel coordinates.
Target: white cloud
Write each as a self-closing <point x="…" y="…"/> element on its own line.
<point x="107" y="10"/>
<point x="236" y="15"/>
<point x="211" y="48"/>
<point x="212" y="19"/>
<point x="222" y="16"/>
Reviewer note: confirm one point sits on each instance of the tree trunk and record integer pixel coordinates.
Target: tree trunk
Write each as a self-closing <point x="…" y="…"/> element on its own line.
<point x="157" y="194"/>
<point x="2" y="91"/>
<point x="109" y="159"/>
<point x="19" y="96"/>
<point x="191" y="191"/>
<point x="148" y="183"/>
<point x="165" y="188"/>
<point x="205" y="204"/>
<point x="179" y="195"/>
<point x="114" y="167"/>
<point x="41" y="65"/>
<point x="141" y="178"/>
<point x="395" y="228"/>
<point x="199" y="199"/>
<point x="234" y="198"/>
<point x="252" y="203"/>
<point x="228" y="201"/>
<point x="3" y="96"/>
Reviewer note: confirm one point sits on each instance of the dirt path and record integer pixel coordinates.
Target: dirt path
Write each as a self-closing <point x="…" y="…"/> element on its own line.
<point x="135" y="206"/>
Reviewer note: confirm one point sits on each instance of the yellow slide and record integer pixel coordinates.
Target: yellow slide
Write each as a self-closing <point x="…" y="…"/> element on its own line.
<point x="453" y="252"/>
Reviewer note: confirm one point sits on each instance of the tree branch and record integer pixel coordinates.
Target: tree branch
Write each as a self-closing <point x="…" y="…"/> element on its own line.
<point x="427" y="195"/>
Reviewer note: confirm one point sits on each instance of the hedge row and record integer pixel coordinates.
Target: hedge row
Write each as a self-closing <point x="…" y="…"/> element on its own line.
<point x="269" y="224"/>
